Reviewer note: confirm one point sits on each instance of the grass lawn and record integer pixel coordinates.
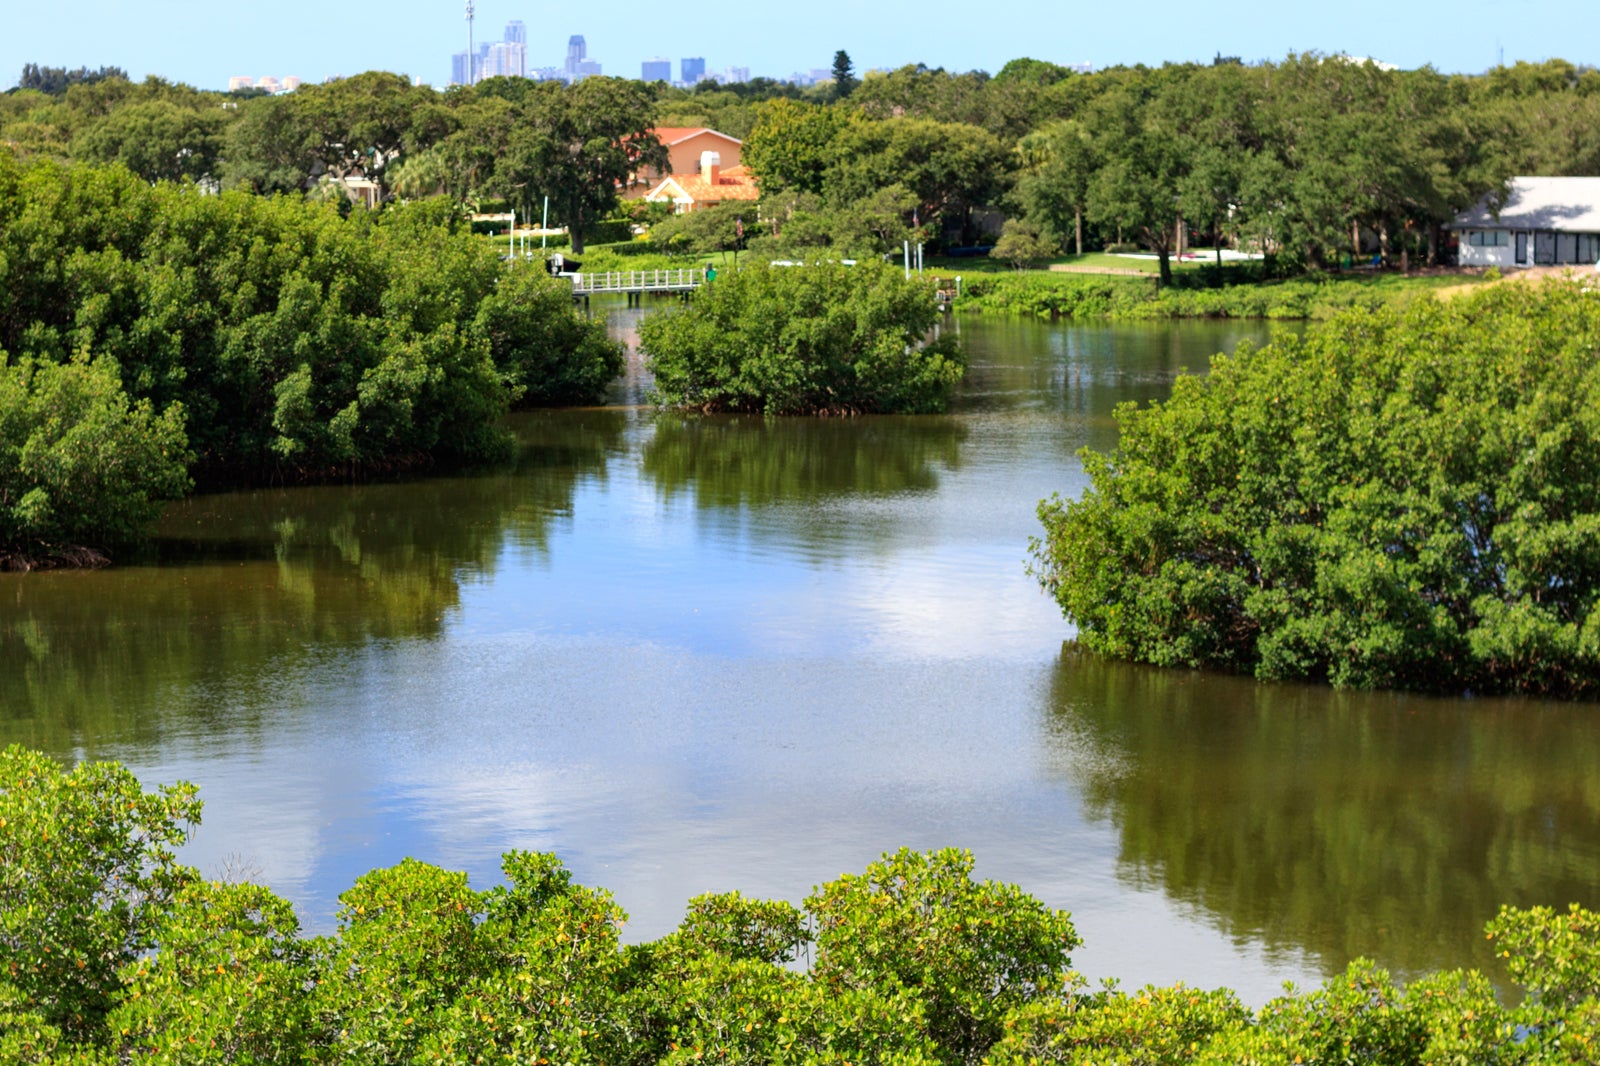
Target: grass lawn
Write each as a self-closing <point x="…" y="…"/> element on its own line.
<point x="1089" y="262"/>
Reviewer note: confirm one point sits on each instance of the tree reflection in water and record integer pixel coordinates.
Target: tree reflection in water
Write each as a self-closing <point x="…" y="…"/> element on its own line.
<point x="1339" y="823"/>
<point x="251" y="583"/>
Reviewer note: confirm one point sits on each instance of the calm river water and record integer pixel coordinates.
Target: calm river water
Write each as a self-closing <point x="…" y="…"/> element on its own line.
<point x="704" y="654"/>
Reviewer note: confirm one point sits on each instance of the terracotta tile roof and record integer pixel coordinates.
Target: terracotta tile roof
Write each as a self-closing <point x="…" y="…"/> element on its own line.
<point x="735" y="183"/>
<point x="671" y="135"/>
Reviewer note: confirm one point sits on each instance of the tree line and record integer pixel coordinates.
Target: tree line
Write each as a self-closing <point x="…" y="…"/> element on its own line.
<point x="1311" y="159"/>
<point x="111" y="951"/>
<point x="152" y="337"/>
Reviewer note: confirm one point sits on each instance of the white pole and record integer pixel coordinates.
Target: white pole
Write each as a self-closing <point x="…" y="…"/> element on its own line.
<point x="919" y="257"/>
<point x="907" y="253"/>
<point x="511" y="245"/>
<point x="544" y="235"/>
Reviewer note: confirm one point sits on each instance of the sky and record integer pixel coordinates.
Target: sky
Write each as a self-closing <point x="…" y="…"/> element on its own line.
<point x="205" y="43"/>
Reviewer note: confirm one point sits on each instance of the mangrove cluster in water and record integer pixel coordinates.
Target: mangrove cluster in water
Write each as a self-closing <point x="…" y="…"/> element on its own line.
<point x="1403" y="499"/>
<point x="826" y="338"/>
<point x="153" y="334"/>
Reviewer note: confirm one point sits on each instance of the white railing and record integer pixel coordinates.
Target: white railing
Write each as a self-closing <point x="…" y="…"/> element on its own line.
<point x="639" y="281"/>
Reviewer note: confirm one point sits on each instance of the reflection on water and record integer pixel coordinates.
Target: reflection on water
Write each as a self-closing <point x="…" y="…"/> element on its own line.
<point x="696" y="654"/>
<point x="251" y="581"/>
<point x="1339" y="823"/>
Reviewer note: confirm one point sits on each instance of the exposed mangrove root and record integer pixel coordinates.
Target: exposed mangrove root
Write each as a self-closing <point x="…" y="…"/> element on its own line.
<point x="64" y="559"/>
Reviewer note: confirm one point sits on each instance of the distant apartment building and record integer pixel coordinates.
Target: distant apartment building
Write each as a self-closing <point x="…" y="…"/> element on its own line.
<point x="691" y="71"/>
<point x="493" y="59"/>
<point x="269" y="83"/>
<point x="734" y="76"/>
<point x="657" y="69"/>
<point x="506" y="59"/>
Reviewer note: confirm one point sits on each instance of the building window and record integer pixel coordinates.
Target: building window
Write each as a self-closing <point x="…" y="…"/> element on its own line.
<point x="1489" y="238"/>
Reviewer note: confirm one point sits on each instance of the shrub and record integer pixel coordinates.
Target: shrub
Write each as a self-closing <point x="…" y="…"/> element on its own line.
<point x="804" y="340"/>
<point x="87" y="874"/>
<point x="114" y="953"/>
<point x="547" y="353"/>
<point x="81" y="466"/>
<point x="1406" y="498"/>
<point x="298" y="342"/>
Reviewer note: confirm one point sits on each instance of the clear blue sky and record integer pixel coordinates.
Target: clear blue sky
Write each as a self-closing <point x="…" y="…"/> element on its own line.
<point x="203" y="43"/>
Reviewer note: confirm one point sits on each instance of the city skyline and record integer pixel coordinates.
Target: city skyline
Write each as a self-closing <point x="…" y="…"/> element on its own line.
<point x="218" y="43"/>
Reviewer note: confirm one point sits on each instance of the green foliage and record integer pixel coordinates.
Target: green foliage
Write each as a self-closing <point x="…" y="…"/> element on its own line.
<point x="1555" y="957"/>
<point x="1405" y="499"/>
<point x="1193" y="294"/>
<point x="704" y="232"/>
<point x="1155" y="1027"/>
<point x="844" y="75"/>
<point x="26" y="1037"/>
<point x="968" y="951"/>
<point x="55" y="81"/>
<point x="792" y="145"/>
<point x="159" y="140"/>
<point x="80" y="464"/>
<point x="1022" y="243"/>
<point x="87" y="875"/>
<point x="296" y="341"/>
<point x="575" y="144"/>
<point x="742" y="929"/>
<point x="547" y="354"/>
<point x="804" y="340"/>
<point x="116" y="954"/>
<point x="231" y="983"/>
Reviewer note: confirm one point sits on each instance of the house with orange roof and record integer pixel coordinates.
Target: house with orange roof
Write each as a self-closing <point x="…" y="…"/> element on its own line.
<point x="685" y="145"/>
<point x="706" y="187"/>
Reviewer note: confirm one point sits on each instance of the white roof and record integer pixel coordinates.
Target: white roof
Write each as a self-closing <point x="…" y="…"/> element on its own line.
<point x="1566" y="205"/>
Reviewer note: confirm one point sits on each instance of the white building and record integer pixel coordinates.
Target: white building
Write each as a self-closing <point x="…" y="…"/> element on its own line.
<point x="1544" y="222"/>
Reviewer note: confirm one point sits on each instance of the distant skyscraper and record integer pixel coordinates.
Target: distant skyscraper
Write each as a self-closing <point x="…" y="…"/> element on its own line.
<point x="692" y="70"/>
<point x="657" y="69"/>
<point x="577" y="52"/>
<point x="493" y="59"/>
<point x="736" y="75"/>
<point x="505" y="59"/>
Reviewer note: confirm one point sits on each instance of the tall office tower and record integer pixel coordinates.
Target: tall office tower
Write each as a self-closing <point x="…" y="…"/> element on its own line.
<point x="692" y="70"/>
<point x="460" y="69"/>
<point x="516" y="32"/>
<point x="657" y="69"/>
<point x="577" y="52"/>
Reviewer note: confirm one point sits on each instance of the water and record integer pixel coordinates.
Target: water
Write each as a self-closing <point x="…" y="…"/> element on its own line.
<point x="695" y="655"/>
